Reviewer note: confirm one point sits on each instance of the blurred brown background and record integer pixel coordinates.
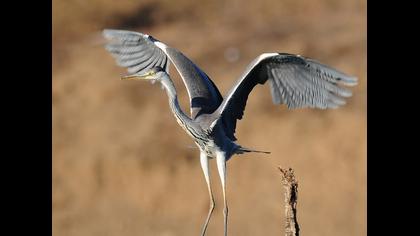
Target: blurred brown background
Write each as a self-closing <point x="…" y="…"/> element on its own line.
<point x="123" y="166"/>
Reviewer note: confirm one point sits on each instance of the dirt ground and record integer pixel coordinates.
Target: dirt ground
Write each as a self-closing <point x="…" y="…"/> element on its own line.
<point x="123" y="166"/>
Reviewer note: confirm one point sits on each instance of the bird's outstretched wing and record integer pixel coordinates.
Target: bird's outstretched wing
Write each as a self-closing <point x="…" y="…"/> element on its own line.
<point x="294" y="80"/>
<point x="140" y="52"/>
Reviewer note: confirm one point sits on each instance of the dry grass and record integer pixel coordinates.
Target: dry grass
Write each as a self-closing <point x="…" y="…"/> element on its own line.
<point x="121" y="164"/>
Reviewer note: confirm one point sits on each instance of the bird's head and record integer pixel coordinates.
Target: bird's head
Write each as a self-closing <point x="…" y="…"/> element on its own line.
<point x="153" y="74"/>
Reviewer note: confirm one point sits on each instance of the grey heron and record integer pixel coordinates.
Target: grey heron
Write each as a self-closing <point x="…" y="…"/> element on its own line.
<point x="294" y="80"/>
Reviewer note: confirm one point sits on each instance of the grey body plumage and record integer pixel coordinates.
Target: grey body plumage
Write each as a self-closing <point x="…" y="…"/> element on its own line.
<point x="294" y="80"/>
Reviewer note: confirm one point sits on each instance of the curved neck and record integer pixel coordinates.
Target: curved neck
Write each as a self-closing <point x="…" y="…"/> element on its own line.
<point x="173" y="100"/>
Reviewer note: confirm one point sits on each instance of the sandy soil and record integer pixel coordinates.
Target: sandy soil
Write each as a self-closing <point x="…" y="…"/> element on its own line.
<point x="123" y="166"/>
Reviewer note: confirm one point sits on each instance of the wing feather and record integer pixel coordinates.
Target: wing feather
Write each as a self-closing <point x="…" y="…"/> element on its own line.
<point x="139" y="52"/>
<point x="294" y="80"/>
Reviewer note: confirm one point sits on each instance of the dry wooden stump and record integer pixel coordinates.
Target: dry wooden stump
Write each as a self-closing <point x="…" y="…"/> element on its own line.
<point x="290" y="199"/>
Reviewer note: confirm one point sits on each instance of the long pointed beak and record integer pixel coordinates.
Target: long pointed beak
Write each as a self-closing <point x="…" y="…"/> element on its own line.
<point x="132" y="77"/>
<point x="146" y="76"/>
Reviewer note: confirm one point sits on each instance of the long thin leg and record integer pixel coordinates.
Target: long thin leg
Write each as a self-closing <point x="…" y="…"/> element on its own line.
<point x="205" y="166"/>
<point x="221" y="166"/>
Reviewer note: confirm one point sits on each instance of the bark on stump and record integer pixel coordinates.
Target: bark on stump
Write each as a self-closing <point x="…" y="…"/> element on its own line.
<point x="290" y="199"/>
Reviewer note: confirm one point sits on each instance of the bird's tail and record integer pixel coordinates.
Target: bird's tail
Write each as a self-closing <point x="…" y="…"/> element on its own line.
<point x="242" y="150"/>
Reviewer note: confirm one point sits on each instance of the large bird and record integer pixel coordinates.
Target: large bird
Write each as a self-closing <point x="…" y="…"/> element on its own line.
<point x="294" y="80"/>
